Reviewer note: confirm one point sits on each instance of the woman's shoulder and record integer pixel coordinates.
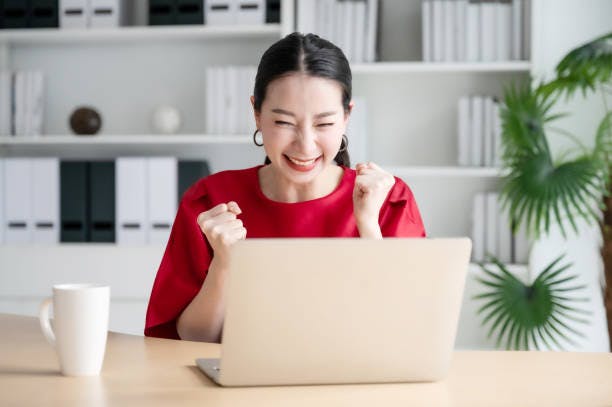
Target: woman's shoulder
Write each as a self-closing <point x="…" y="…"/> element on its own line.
<point x="228" y="180"/>
<point x="400" y="193"/>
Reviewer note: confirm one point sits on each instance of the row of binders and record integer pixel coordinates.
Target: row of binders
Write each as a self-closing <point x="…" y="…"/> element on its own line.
<point x="116" y="13"/>
<point x="21" y="103"/>
<point x="492" y="232"/>
<point x="214" y="12"/>
<point x="475" y="30"/>
<point x="479" y="132"/>
<point x="228" y="105"/>
<point x="132" y="200"/>
<point x="350" y="24"/>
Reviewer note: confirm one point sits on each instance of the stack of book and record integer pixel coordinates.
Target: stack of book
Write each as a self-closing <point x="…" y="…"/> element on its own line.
<point x="132" y="200"/>
<point x="228" y="105"/>
<point x="492" y="232"/>
<point x="350" y="24"/>
<point x="479" y="132"/>
<point x="21" y="103"/>
<point x="475" y="30"/>
<point x="94" y="13"/>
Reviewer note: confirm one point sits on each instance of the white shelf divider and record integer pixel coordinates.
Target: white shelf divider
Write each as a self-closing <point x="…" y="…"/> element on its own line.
<point x="433" y="67"/>
<point x="183" y="139"/>
<point x="445" y="171"/>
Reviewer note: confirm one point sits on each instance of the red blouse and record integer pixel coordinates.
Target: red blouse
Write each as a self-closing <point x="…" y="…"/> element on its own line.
<point x="188" y="254"/>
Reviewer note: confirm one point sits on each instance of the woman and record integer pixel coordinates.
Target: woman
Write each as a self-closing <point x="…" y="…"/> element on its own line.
<point x="302" y="103"/>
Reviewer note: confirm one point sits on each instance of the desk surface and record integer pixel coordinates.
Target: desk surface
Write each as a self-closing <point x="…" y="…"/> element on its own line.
<point x="147" y="371"/>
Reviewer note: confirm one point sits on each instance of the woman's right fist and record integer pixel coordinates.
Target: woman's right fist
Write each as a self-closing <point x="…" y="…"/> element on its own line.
<point x="222" y="228"/>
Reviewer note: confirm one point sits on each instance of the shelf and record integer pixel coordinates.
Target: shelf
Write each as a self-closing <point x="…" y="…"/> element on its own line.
<point x="101" y="140"/>
<point x="449" y="171"/>
<point x="135" y="33"/>
<point x="450" y="67"/>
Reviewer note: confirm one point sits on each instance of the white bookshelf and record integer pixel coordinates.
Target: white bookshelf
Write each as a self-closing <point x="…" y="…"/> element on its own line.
<point x="116" y="139"/>
<point x="379" y="68"/>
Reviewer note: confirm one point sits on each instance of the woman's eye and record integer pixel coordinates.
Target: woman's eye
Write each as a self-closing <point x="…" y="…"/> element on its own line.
<point x="325" y="124"/>
<point x="282" y="123"/>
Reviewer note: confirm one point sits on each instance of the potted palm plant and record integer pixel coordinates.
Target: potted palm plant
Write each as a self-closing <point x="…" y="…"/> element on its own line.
<point x="541" y="191"/>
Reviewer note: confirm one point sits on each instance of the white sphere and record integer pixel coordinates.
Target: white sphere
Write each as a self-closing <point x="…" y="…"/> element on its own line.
<point x="166" y="120"/>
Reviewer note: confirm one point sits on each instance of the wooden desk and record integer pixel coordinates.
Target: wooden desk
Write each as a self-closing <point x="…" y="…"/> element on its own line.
<point x="152" y="372"/>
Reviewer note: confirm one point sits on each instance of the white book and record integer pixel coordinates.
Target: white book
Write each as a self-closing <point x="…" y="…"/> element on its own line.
<point x="251" y="74"/>
<point x="306" y="16"/>
<point x="356" y="132"/>
<point x="349" y="28"/>
<point x="360" y="34"/>
<point x="371" y="30"/>
<point x="517" y="29"/>
<point x="427" y="28"/>
<point x="27" y="103"/>
<point x="503" y="30"/>
<point x="220" y="12"/>
<point x="231" y="117"/>
<point x="251" y="12"/>
<point x="220" y="108"/>
<point x="329" y="20"/>
<point x="521" y="246"/>
<point x="488" y="143"/>
<point x="38" y="103"/>
<point x="463" y="128"/>
<point x="478" y="227"/>
<point x="18" y="200"/>
<point x="45" y="200"/>
<point x="497" y="135"/>
<point x="5" y="103"/>
<point x="162" y="178"/>
<point x="526" y="40"/>
<point x="472" y="31"/>
<point x="241" y="125"/>
<point x="491" y="221"/>
<point x="20" y="105"/>
<point x="338" y="10"/>
<point x="460" y="29"/>
<point x="504" y="241"/>
<point x="108" y="13"/>
<point x="74" y="14"/>
<point x="210" y="101"/>
<point x="131" y="200"/>
<point x="438" y="30"/>
<point x="477" y="130"/>
<point x="2" y="198"/>
<point x="487" y="30"/>
<point x="449" y="53"/>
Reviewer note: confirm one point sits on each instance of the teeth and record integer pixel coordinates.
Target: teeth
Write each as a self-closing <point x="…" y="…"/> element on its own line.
<point x="299" y="162"/>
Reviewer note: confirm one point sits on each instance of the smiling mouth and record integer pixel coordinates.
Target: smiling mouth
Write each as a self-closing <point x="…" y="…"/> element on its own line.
<point x="303" y="163"/>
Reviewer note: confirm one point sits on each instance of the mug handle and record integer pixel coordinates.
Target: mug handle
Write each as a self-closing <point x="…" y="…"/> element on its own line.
<point x="45" y="324"/>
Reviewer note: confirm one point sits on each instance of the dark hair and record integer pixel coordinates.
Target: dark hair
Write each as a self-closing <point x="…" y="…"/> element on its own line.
<point x="309" y="54"/>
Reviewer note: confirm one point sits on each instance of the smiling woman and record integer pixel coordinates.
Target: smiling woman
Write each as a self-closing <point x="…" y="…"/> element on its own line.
<point x="306" y="188"/>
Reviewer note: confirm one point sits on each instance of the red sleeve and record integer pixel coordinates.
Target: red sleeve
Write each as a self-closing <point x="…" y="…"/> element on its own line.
<point x="181" y="272"/>
<point x="400" y="216"/>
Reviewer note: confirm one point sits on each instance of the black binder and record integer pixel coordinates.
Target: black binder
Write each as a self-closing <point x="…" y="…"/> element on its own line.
<point x="43" y="14"/>
<point x="162" y="12"/>
<point x="15" y="14"/>
<point x="189" y="12"/>
<point x="102" y="201"/>
<point x="188" y="173"/>
<point x="73" y="201"/>
<point x="273" y="11"/>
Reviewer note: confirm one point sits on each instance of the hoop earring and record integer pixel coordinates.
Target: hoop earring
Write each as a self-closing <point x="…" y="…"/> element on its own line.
<point x="343" y="144"/>
<point x="255" y="139"/>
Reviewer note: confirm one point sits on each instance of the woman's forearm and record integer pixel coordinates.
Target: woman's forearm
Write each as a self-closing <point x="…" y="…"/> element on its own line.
<point x="202" y="320"/>
<point x="370" y="230"/>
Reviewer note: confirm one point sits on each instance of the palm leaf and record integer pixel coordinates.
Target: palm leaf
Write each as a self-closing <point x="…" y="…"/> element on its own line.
<point x="522" y="315"/>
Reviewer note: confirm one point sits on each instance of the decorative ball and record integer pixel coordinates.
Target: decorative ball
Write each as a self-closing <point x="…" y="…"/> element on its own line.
<point x="166" y="120"/>
<point x="85" y="120"/>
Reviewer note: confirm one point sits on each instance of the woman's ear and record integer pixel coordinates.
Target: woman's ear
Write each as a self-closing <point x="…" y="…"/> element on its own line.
<point x="350" y="109"/>
<point x="256" y="114"/>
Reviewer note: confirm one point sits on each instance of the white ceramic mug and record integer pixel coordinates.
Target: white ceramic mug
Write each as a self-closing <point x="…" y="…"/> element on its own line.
<point x="80" y="326"/>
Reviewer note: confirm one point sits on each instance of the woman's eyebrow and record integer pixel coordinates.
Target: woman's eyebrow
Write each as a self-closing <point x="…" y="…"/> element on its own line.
<point x="288" y="113"/>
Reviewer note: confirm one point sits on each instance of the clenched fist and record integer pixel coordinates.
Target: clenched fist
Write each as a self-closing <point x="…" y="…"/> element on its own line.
<point x="222" y="228"/>
<point x="372" y="185"/>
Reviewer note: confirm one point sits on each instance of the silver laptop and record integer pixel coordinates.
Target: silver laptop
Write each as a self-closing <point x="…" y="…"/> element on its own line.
<point x="343" y="310"/>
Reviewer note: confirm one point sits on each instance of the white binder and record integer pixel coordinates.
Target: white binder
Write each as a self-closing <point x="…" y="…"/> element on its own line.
<point x="45" y="200"/>
<point x="5" y="103"/>
<point x="162" y="187"/>
<point x="17" y="200"/>
<point x="2" y="198"/>
<point x="491" y="225"/>
<point x="250" y="12"/>
<point x="107" y="13"/>
<point x="74" y="13"/>
<point x="131" y="196"/>
<point x="220" y="12"/>
<point x="477" y="130"/>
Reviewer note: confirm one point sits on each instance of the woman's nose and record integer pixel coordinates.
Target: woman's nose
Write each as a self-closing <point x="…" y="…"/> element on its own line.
<point x="306" y="137"/>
